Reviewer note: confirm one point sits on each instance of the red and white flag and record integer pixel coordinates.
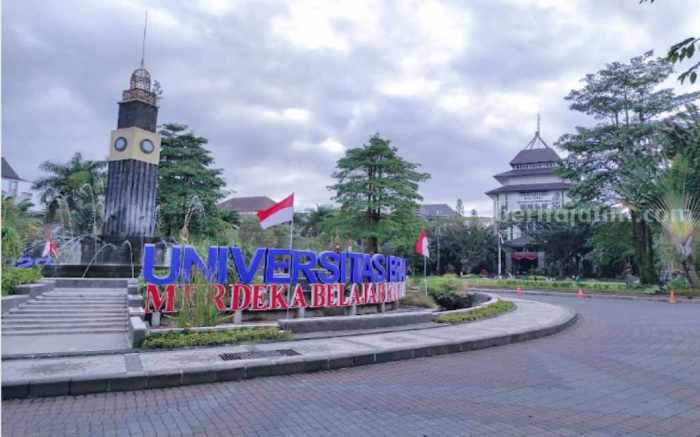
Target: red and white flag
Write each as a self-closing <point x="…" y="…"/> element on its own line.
<point x="278" y="213"/>
<point x="50" y="248"/>
<point x="422" y="244"/>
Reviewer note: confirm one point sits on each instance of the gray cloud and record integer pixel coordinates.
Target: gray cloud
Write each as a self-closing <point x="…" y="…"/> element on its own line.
<point x="279" y="88"/>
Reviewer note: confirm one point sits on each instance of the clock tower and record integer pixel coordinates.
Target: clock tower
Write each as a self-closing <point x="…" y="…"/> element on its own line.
<point x="134" y="153"/>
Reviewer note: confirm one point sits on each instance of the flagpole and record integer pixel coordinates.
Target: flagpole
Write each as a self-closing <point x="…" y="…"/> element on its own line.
<point x="291" y="246"/>
<point x="425" y="273"/>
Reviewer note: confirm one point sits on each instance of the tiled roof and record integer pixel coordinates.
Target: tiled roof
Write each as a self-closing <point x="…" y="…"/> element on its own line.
<point x="532" y="156"/>
<point x="436" y="210"/>
<point x="247" y="204"/>
<point x="526" y="172"/>
<point x="8" y="172"/>
<point x="530" y="187"/>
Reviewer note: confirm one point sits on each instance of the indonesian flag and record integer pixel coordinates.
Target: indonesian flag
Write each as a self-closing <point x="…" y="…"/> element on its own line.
<point x="278" y="213"/>
<point x="422" y="244"/>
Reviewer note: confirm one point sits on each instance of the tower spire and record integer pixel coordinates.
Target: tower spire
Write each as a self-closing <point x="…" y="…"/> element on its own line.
<point x="143" y="43"/>
<point x="538" y="123"/>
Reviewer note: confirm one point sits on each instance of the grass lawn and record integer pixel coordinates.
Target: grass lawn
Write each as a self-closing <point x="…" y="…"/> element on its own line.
<point x="173" y="340"/>
<point x="590" y="286"/>
<point x="499" y="307"/>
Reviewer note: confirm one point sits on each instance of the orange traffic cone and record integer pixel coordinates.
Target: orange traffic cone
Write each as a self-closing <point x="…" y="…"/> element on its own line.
<point x="672" y="297"/>
<point x="580" y="294"/>
<point x="519" y="291"/>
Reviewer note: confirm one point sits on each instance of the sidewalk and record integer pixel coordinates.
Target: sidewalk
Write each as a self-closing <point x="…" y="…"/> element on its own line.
<point x="140" y="370"/>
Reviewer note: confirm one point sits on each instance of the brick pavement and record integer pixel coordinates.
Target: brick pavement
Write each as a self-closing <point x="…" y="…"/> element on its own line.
<point x="626" y="368"/>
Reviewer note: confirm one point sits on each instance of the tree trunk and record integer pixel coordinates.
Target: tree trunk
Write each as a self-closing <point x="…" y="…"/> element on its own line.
<point x="372" y="245"/>
<point x="643" y="249"/>
<point x="690" y="272"/>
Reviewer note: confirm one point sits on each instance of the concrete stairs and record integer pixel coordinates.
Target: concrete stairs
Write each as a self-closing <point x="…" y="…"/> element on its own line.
<point x="69" y="319"/>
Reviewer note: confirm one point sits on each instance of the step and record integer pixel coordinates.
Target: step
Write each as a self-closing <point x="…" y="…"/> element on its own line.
<point x="91" y="282"/>
<point x="42" y="321"/>
<point x="22" y="322"/>
<point x="64" y="327"/>
<point x="41" y="316"/>
<point x="85" y="296"/>
<point x="65" y="331"/>
<point x="70" y="313"/>
<point x="72" y="305"/>
<point x="80" y="299"/>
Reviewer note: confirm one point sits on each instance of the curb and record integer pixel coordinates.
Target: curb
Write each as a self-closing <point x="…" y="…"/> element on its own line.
<point x="283" y="366"/>
<point x="651" y="298"/>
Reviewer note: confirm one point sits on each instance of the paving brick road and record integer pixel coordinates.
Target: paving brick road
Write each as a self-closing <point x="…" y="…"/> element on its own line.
<point x="626" y="368"/>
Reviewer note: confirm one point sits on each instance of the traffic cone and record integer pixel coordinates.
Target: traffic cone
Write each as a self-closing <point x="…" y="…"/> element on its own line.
<point x="580" y="294"/>
<point x="672" y="297"/>
<point x="519" y="291"/>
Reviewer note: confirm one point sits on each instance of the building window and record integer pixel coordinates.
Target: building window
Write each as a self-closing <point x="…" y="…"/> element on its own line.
<point x="535" y="195"/>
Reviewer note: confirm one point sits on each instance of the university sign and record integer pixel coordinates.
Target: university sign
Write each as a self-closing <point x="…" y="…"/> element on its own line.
<point x="274" y="279"/>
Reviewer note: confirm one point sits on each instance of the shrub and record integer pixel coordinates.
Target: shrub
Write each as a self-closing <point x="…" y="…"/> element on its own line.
<point x="418" y="299"/>
<point x="678" y="283"/>
<point x="13" y="276"/>
<point x="499" y="307"/>
<point x="173" y="340"/>
<point x="445" y="290"/>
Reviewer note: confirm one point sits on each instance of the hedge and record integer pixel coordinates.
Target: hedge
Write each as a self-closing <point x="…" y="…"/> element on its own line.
<point x="13" y="276"/>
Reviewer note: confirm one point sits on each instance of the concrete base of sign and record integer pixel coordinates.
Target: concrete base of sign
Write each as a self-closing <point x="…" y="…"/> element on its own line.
<point x="301" y="312"/>
<point x="238" y="317"/>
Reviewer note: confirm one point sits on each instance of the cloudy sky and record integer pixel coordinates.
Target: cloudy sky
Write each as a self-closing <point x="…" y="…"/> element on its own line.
<point x="282" y="88"/>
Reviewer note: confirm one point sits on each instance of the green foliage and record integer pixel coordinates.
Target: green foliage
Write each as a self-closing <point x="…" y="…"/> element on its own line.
<point x="500" y="307"/>
<point x="198" y="309"/>
<point x="73" y="193"/>
<point x="12" y="277"/>
<point x="18" y="228"/>
<point x="464" y="246"/>
<point x="618" y="160"/>
<point x="172" y="340"/>
<point x="446" y="291"/>
<point x="568" y="286"/>
<point x="188" y="187"/>
<point x="378" y="193"/>
<point x="681" y="50"/>
<point x="678" y="283"/>
<point x="418" y="299"/>
<point x="612" y="248"/>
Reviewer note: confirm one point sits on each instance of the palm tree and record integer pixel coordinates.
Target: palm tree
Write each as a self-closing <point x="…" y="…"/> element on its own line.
<point x="313" y="220"/>
<point x="73" y="193"/>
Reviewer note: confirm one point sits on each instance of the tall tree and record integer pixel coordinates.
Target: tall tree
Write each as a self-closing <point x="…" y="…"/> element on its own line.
<point x="378" y="193"/>
<point x="73" y="193"/>
<point x="617" y="160"/>
<point x="188" y="186"/>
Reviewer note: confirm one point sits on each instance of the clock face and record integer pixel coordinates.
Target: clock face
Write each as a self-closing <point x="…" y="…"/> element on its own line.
<point x="120" y="144"/>
<point x="147" y="146"/>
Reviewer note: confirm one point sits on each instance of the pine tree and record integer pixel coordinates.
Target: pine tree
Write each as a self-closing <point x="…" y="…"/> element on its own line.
<point x="188" y="187"/>
<point x="378" y="193"/>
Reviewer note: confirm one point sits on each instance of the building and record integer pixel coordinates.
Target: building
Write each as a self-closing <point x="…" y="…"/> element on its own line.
<point x="247" y="206"/>
<point x="434" y="211"/>
<point x="530" y="184"/>
<point x="13" y="185"/>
